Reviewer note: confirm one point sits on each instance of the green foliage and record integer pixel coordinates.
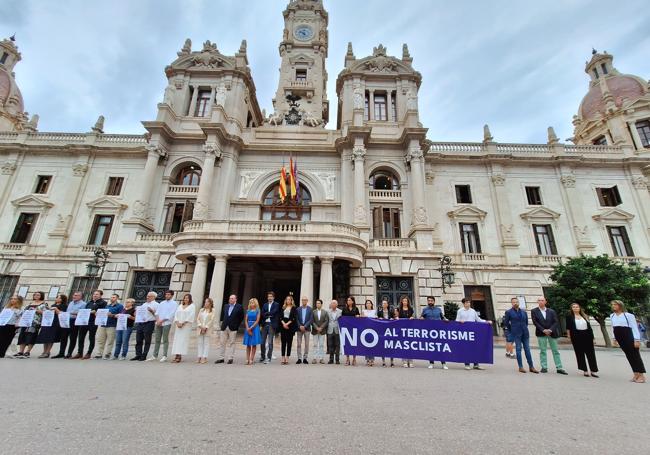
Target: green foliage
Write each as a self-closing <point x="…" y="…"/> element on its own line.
<point x="594" y="281"/>
<point x="450" y="310"/>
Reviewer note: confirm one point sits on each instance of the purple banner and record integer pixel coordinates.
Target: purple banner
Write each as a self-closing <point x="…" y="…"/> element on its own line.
<point x="468" y="342"/>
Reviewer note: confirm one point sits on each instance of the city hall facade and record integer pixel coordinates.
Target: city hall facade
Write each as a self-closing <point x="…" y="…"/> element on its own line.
<point x="194" y="204"/>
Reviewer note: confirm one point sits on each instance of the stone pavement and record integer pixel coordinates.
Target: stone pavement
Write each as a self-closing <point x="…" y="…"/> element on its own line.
<point x="97" y="406"/>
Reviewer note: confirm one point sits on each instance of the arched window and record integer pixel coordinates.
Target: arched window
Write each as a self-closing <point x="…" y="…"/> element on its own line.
<point x="189" y="175"/>
<point x="290" y="210"/>
<point x="384" y="180"/>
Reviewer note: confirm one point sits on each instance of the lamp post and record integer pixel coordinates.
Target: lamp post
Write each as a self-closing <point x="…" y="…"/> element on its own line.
<point x="447" y="275"/>
<point x="96" y="266"/>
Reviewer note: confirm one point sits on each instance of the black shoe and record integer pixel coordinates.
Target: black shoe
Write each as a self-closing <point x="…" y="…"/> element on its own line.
<point x="298" y="362"/>
<point x="219" y="361"/>
<point x="58" y="356"/>
<point x="261" y="359"/>
<point x="137" y="357"/>
<point x="67" y="356"/>
<point x="543" y="370"/>
<point x="142" y="358"/>
<point x="330" y="362"/>
<point x="230" y="362"/>
<point x="562" y="372"/>
<point x="305" y="362"/>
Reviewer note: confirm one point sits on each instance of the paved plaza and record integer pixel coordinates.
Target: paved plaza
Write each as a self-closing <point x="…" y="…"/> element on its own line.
<point x="97" y="406"/>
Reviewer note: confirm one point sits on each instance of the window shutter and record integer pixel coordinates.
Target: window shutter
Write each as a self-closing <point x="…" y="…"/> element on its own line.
<point x="462" y="238"/>
<point x="626" y="242"/>
<point x="377" y="223"/>
<point x="551" y="239"/>
<point x="537" y="242"/>
<point x="478" y="239"/>
<point x="169" y="219"/>
<point x="107" y="231"/>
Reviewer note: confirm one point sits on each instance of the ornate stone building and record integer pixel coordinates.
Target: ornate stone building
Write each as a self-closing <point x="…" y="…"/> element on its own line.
<point x="194" y="204"/>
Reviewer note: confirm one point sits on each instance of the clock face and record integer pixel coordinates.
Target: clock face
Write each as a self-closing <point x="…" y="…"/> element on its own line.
<point x="303" y="32"/>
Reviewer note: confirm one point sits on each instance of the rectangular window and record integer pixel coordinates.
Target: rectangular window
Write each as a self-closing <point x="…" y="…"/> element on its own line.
<point x="202" y="102"/>
<point x="393" y="107"/>
<point x="43" y="184"/>
<point x="463" y="194"/>
<point x="643" y="128"/>
<point x="544" y="239"/>
<point x="609" y="197"/>
<point x="469" y="238"/>
<point x="114" y="186"/>
<point x="596" y="72"/>
<point x="380" y="107"/>
<point x="533" y="195"/>
<point x="604" y="68"/>
<point x="301" y="75"/>
<point x="84" y="284"/>
<point x="366" y="108"/>
<point x="600" y="140"/>
<point x="24" y="228"/>
<point x="101" y="230"/>
<point x="620" y="241"/>
<point x="386" y="223"/>
<point x="4" y="57"/>
<point x="8" y="285"/>
<point x="177" y="214"/>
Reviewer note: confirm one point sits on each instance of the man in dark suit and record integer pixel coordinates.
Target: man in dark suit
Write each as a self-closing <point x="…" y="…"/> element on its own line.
<point x="516" y="320"/>
<point x="270" y="323"/>
<point x="547" y="330"/>
<point x="233" y="314"/>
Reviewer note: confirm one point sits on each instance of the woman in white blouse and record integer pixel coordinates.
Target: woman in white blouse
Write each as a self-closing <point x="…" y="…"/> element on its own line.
<point x="369" y="312"/>
<point x="183" y="319"/>
<point x="7" y="332"/>
<point x="204" y="323"/>
<point x="581" y="335"/>
<point x="626" y="333"/>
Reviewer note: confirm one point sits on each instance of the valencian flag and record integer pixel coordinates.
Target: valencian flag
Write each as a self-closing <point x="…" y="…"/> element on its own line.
<point x="283" y="183"/>
<point x="292" y="178"/>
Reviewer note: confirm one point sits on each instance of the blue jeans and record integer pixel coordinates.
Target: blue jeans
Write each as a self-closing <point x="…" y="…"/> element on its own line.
<point x="122" y="341"/>
<point x="519" y="340"/>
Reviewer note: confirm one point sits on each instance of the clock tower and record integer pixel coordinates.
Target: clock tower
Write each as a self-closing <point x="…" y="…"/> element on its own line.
<point x="301" y="98"/>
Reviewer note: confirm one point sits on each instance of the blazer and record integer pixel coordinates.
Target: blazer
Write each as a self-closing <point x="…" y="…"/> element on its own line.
<point x="271" y="310"/>
<point x="307" y="319"/>
<point x="321" y="322"/>
<point x="233" y="321"/>
<point x="571" y="325"/>
<point x="516" y="322"/>
<point x="292" y="317"/>
<point x="550" y="322"/>
<point x="333" y="321"/>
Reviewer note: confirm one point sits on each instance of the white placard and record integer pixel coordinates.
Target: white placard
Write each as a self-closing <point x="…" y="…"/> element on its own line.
<point x="522" y="302"/>
<point x="64" y="320"/>
<point x="27" y="318"/>
<point x="121" y="321"/>
<point x="48" y="318"/>
<point x="83" y="316"/>
<point x="5" y="315"/>
<point x="141" y="313"/>
<point x="22" y="291"/>
<point x="54" y="292"/>
<point x="101" y="317"/>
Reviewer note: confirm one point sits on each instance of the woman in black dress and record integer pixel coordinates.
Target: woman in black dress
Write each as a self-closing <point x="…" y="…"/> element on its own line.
<point x="8" y="331"/>
<point x="288" y="320"/>
<point x="581" y="334"/>
<point x="53" y="334"/>
<point x="28" y="335"/>
<point x="350" y="309"/>
<point x="405" y="311"/>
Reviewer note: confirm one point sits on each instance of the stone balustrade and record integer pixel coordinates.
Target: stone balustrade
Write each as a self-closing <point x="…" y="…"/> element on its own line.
<point x="185" y="190"/>
<point x="58" y="139"/>
<point x="393" y="195"/>
<point x="393" y="244"/>
<point x="479" y="148"/>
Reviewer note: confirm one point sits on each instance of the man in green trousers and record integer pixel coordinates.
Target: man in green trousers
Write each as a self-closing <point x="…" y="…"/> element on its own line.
<point x="547" y="330"/>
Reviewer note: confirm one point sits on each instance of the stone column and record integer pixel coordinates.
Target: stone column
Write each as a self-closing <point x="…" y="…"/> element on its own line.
<point x="212" y="153"/>
<point x="325" y="286"/>
<point x="199" y="279"/>
<point x="347" y="204"/>
<point x="217" y="284"/>
<point x="307" y="279"/>
<point x="195" y="94"/>
<point x="358" y="159"/>
<point x="248" y="288"/>
<point x="416" y="158"/>
<point x="371" y="105"/>
<point x="636" y="139"/>
<point x="389" y="108"/>
<point x="509" y="241"/>
<point x="227" y="175"/>
<point x="142" y="205"/>
<point x="572" y="198"/>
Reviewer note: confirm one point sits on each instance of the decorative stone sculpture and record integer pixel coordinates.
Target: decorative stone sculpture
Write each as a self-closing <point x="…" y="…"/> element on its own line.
<point x="99" y="125"/>
<point x="80" y="169"/>
<point x="32" y="125"/>
<point x="309" y="120"/>
<point x="221" y="95"/>
<point x="358" y="99"/>
<point x="186" y="49"/>
<point x="411" y="100"/>
<point x="487" y="135"/>
<point x="552" y="137"/>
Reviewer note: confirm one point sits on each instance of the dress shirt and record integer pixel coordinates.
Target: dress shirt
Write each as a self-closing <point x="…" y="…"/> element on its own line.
<point x="432" y="313"/>
<point x="543" y="312"/>
<point x="166" y="310"/>
<point x="303" y="314"/>
<point x="626" y="320"/>
<point x="230" y="308"/>
<point x="75" y="306"/>
<point x="154" y="306"/>
<point x="469" y="315"/>
<point x="581" y="324"/>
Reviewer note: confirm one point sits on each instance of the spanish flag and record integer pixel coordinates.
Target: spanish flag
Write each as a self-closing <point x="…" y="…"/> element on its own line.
<point x="283" y="183"/>
<point x="292" y="178"/>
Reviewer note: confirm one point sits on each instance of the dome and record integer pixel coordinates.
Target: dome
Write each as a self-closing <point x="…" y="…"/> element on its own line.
<point x="7" y="87"/>
<point x="623" y="88"/>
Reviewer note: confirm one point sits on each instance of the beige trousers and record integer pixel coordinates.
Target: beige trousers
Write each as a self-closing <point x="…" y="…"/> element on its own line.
<point x="227" y="340"/>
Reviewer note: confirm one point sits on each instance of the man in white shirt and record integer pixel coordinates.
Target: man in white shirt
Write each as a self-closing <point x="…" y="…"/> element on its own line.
<point x="164" y="318"/>
<point x="144" y="327"/>
<point x="469" y="314"/>
<point x="319" y="331"/>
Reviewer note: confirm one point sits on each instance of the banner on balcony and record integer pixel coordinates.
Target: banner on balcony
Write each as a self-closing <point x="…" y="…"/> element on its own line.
<point x="469" y="342"/>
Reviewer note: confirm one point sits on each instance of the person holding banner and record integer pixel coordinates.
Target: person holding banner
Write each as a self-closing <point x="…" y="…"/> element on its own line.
<point x="516" y="320"/>
<point x="333" y="339"/>
<point x="184" y="317"/>
<point x="29" y="331"/>
<point x="123" y="329"/>
<point x="77" y="304"/>
<point x="96" y="303"/>
<point x="350" y="309"/>
<point x="145" y="319"/>
<point x="405" y="311"/>
<point x="386" y="314"/>
<point x="287" y="328"/>
<point x="433" y="313"/>
<point x="106" y="333"/>
<point x="369" y="312"/>
<point x="10" y="316"/>
<point x="52" y="333"/>
<point x="469" y="314"/>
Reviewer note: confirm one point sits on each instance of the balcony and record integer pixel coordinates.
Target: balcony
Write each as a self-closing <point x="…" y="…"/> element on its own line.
<point x="474" y="257"/>
<point x="301" y="88"/>
<point x="385" y="195"/>
<point x="549" y="259"/>
<point x="270" y="238"/>
<point x="155" y="238"/>
<point x="13" y="248"/>
<point x="392" y="244"/>
<point x="183" y="190"/>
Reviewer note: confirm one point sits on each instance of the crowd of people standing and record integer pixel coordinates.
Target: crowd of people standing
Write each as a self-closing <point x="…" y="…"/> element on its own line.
<point x="153" y="321"/>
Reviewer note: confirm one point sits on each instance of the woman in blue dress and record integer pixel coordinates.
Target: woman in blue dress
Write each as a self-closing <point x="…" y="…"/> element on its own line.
<point x="252" y="337"/>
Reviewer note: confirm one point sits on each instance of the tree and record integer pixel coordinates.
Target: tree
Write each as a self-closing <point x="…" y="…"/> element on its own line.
<point x="450" y="309"/>
<point x="593" y="282"/>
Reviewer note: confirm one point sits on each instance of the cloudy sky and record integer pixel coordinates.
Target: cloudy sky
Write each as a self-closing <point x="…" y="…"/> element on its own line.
<point x="516" y="65"/>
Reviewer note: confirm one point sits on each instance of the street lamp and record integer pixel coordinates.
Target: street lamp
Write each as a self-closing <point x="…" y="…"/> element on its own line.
<point x="96" y="266"/>
<point x="447" y="275"/>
